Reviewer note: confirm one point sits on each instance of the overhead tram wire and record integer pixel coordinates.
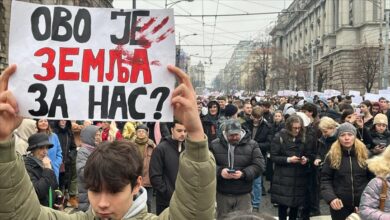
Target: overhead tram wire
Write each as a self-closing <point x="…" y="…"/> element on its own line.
<point x="242" y="14"/>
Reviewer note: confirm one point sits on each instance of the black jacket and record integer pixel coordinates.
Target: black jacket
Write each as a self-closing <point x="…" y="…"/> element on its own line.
<point x="163" y="169"/>
<point x="289" y="181"/>
<point x="346" y="183"/>
<point x="68" y="145"/>
<point x="276" y="127"/>
<point x="379" y="139"/>
<point x="324" y="146"/>
<point x="263" y="134"/>
<point x="247" y="158"/>
<point x="42" y="179"/>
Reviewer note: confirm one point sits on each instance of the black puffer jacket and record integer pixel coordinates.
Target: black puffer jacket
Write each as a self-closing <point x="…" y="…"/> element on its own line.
<point x="163" y="169"/>
<point x="379" y="139"/>
<point x="68" y="145"/>
<point x="289" y="181"/>
<point x="42" y="179"/>
<point x="247" y="158"/>
<point x="346" y="183"/>
<point x="324" y="146"/>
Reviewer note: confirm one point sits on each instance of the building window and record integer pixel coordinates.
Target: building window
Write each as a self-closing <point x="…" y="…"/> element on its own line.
<point x="351" y="12"/>
<point x="336" y="15"/>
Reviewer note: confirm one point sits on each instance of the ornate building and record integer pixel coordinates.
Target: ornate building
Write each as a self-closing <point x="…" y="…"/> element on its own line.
<point x="338" y="35"/>
<point x="5" y="12"/>
<point x="196" y="73"/>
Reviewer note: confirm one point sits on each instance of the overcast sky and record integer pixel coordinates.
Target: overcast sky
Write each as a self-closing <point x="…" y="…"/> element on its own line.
<point x="216" y="30"/>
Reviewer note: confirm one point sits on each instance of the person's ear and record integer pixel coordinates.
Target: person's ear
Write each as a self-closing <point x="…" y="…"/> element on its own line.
<point x="137" y="187"/>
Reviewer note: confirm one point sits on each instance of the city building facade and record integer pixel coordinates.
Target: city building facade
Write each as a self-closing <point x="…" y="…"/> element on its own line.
<point x="337" y="36"/>
<point x="5" y="14"/>
<point x="197" y="73"/>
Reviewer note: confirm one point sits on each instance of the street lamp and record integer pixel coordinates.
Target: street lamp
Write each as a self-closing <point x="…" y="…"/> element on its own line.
<point x="175" y="2"/>
<point x="178" y="52"/>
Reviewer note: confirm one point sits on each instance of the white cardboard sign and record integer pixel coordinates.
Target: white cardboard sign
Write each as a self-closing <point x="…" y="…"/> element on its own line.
<point x="92" y="63"/>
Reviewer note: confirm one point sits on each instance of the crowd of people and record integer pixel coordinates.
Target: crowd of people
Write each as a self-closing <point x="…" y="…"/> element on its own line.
<point x="211" y="162"/>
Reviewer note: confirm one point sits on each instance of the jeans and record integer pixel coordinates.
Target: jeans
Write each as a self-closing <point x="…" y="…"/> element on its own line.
<point x="256" y="192"/>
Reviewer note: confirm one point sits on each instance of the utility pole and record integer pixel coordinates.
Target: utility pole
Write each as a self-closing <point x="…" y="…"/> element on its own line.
<point x="386" y="59"/>
<point x="312" y="68"/>
<point x="380" y="44"/>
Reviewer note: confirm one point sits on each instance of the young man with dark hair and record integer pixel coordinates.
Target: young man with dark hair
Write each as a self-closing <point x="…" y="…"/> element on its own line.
<point x="164" y="165"/>
<point x="113" y="171"/>
<point x="222" y="101"/>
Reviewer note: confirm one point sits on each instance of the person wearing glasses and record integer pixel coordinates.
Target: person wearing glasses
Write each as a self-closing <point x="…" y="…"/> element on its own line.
<point x="289" y="152"/>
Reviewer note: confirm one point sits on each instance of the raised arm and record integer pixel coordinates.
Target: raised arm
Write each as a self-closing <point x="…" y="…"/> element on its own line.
<point x="9" y="118"/>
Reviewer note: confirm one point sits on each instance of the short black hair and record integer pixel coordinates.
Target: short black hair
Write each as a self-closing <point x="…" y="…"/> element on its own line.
<point x="112" y="166"/>
<point x="310" y="107"/>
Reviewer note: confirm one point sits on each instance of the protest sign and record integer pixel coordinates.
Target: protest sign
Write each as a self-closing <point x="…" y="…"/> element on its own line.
<point x="92" y="63"/>
<point x="372" y="97"/>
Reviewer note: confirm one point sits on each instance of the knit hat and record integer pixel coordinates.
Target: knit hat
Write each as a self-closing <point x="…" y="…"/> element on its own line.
<point x="142" y="126"/>
<point x="230" y="110"/>
<point x="232" y="126"/>
<point x="380" y="119"/>
<point x="346" y="127"/>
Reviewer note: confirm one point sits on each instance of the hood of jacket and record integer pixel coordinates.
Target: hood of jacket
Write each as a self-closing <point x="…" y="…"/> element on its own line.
<point x="88" y="133"/>
<point x="26" y="129"/>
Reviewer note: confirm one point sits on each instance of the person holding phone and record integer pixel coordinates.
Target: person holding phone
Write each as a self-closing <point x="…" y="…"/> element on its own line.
<point x="239" y="162"/>
<point x="289" y="152"/>
<point x="380" y="134"/>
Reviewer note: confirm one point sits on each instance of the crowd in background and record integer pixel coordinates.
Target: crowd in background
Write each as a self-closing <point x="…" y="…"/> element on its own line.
<point x="308" y="148"/>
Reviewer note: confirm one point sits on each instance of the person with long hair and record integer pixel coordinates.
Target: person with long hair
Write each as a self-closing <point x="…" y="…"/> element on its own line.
<point x="289" y="152"/>
<point x="344" y="173"/>
<point x="55" y="153"/>
<point x="365" y="110"/>
<point x="369" y="204"/>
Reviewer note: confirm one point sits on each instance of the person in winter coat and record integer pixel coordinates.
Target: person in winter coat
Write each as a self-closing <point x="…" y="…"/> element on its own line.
<point x="289" y="153"/>
<point x="90" y="136"/>
<point x="240" y="162"/>
<point x="365" y="111"/>
<point x="39" y="168"/>
<point x="196" y="184"/>
<point x="363" y="133"/>
<point x="55" y="153"/>
<point x="22" y="133"/>
<point x="129" y="129"/>
<point x="369" y="203"/>
<point x="380" y="134"/>
<point x="164" y="165"/>
<point x="110" y="132"/>
<point x="210" y="121"/>
<point x="146" y="147"/>
<point x="344" y="173"/>
<point x="63" y="129"/>
<point x="261" y="132"/>
<point x="328" y="128"/>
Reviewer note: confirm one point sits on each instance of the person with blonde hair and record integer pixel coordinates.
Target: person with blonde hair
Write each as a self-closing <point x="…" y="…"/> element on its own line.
<point x="344" y="173"/>
<point x="370" y="201"/>
<point x="328" y="128"/>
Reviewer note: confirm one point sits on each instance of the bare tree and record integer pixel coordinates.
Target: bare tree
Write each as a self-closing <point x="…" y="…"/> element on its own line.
<point x="302" y="76"/>
<point x="284" y="69"/>
<point x="367" y="65"/>
<point x="322" y="74"/>
<point x="263" y="65"/>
